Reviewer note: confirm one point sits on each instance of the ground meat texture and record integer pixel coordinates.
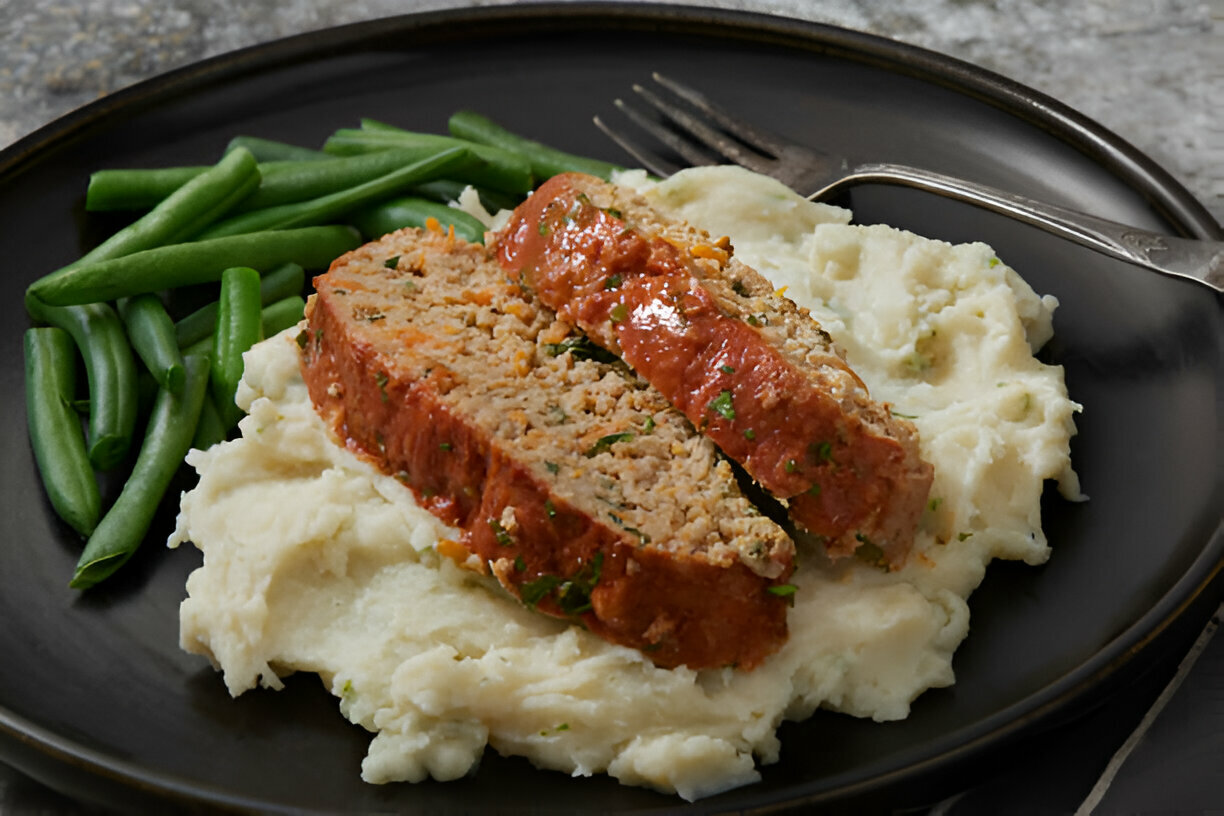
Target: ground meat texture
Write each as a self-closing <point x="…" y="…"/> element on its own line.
<point x="573" y="481"/>
<point x="750" y="369"/>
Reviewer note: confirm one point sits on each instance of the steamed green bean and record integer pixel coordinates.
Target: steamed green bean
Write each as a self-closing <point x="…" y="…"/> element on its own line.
<point x="167" y="439"/>
<point x="238" y="328"/>
<point x="281" y="282"/>
<point x="110" y="371"/>
<point x="191" y="263"/>
<point x="499" y="169"/>
<point x="328" y="208"/>
<point x="545" y="161"/>
<point x="151" y="332"/>
<point x="186" y="211"/>
<point x="55" y="428"/>
<point x="271" y="150"/>
<point x="411" y="211"/>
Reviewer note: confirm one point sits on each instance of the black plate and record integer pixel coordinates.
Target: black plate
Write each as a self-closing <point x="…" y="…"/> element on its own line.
<point x="95" y="697"/>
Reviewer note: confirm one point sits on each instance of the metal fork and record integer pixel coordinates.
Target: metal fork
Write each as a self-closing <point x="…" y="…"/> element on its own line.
<point x="705" y="128"/>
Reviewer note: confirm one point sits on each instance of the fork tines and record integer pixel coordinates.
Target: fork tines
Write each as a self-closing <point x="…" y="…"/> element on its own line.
<point x="694" y="129"/>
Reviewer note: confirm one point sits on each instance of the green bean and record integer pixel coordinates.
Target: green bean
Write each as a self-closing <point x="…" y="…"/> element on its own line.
<point x="385" y="127"/>
<point x="55" y="428"/>
<point x="238" y="328"/>
<point x="110" y="371"/>
<point x="546" y="161"/>
<point x="275" y="317"/>
<point x="290" y="182"/>
<point x="196" y="326"/>
<point x="501" y="170"/>
<point x="281" y="181"/>
<point x="270" y="150"/>
<point x="331" y="207"/>
<point x="151" y="332"/>
<point x="197" y="262"/>
<point x="411" y="211"/>
<point x="184" y="212"/>
<point x="167" y="439"/>
<point x="135" y="188"/>
<point x="278" y="316"/>
<point x="281" y="282"/>
<point x="448" y="190"/>
<point x="210" y="429"/>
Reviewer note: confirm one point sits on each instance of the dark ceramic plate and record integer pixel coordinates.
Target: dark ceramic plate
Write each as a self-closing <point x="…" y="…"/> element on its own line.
<point x="97" y="700"/>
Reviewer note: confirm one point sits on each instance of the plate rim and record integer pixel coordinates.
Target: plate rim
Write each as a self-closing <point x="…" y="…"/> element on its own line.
<point x="1165" y="193"/>
<point x="1167" y="196"/>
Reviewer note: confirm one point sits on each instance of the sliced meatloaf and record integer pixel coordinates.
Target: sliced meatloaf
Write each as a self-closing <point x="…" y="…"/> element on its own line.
<point x="573" y="481"/>
<point x="748" y="367"/>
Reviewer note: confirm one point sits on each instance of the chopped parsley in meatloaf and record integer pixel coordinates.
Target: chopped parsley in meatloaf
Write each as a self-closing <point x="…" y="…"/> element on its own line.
<point x="750" y="369"/>
<point x="574" y="482"/>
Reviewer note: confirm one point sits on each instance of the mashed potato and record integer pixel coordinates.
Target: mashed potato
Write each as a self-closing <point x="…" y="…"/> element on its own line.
<point x="314" y="561"/>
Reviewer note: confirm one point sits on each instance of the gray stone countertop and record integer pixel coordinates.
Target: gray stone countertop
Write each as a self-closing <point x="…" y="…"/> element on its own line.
<point x="1152" y="71"/>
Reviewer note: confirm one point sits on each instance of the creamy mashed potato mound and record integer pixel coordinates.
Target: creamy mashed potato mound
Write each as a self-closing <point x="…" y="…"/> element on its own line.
<point x="314" y="561"/>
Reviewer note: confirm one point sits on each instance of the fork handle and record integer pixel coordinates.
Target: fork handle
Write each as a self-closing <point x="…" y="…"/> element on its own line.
<point x="1180" y="257"/>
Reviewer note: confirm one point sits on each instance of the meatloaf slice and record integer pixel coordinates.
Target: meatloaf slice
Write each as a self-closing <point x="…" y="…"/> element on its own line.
<point x="748" y="367"/>
<point x="572" y="480"/>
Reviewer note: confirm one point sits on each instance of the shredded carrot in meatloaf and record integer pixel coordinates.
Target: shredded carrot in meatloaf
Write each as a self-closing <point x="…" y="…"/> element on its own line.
<point x="713" y="253"/>
<point x="434" y="225"/>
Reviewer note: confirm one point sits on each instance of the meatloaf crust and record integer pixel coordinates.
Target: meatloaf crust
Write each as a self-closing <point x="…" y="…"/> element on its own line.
<point x="573" y="482"/>
<point x="748" y="367"/>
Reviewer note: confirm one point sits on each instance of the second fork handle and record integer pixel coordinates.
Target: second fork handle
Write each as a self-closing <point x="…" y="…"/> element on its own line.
<point x="1170" y="255"/>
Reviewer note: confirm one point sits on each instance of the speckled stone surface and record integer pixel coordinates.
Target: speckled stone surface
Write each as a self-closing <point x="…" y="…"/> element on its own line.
<point x="1152" y="71"/>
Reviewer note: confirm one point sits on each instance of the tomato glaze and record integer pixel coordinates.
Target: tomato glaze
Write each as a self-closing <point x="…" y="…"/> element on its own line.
<point x="642" y="298"/>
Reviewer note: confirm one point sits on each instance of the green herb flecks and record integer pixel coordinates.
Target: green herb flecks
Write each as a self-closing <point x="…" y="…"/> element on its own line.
<point x="786" y="591"/>
<point x="721" y="405"/>
<point x="381" y="379"/>
<point x="552" y="467"/>
<point x="820" y="452"/>
<point x="613" y="281"/>
<point x="499" y="532"/>
<point x="392" y="262"/>
<point x="726" y="369"/>
<point x="535" y="591"/>
<point x="643" y="539"/>
<point x="606" y="442"/>
<point x="581" y="348"/>
<point x="573" y="595"/>
<point x="618" y="313"/>
<point x="549" y="508"/>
